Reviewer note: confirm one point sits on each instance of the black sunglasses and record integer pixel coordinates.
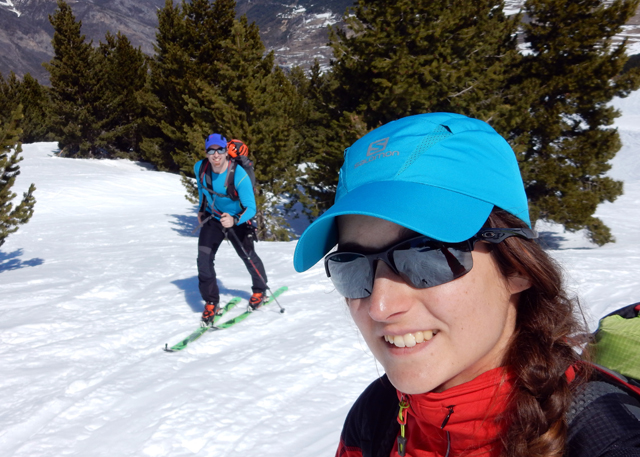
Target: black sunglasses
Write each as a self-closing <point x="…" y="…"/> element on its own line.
<point x="422" y="261"/>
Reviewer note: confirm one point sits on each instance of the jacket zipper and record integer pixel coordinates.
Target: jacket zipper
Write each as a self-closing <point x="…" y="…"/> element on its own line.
<point x="446" y="420"/>
<point x="402" y="420"/>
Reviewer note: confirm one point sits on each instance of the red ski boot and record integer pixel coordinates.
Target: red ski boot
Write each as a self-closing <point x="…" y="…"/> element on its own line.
<point x="210" y="310"/>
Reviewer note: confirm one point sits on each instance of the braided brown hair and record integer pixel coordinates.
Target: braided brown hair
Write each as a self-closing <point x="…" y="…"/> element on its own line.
<point x="540" y="350"/>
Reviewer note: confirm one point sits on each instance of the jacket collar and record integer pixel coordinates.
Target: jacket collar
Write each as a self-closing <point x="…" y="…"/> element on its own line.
<point x="467" y="418"/>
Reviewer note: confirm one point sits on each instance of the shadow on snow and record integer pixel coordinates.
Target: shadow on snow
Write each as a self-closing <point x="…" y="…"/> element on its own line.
<point x="192" y="294"/>
<point x="10" y="261"/>
<point x="184" y="225"/>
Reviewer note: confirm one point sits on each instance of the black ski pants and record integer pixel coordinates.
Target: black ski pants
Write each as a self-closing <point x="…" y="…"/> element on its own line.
<point x="211" y="236"/>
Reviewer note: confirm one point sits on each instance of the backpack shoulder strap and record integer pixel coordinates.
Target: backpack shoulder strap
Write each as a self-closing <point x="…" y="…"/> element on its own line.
<point x="628" y="312"/>
<point x="229" y="183"/>
<point x="204" y="166"/>
<point x="371" y="426"/>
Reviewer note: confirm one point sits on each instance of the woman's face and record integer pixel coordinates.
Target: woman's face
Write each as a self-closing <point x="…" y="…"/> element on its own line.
<point x="465" y="324"/>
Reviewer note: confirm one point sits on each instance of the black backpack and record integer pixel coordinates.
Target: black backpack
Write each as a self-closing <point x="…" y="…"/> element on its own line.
<point x="247" y="166"/>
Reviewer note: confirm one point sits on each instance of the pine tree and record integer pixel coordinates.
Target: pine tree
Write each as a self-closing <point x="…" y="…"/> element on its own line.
<point x="75" y="87"/>
<point x="124" y="75"/>
<point x="273" y="132"/>
<point x="35" y="100"/>
<point x="7" y="98"/>
<point x="408" y="57"/>
<point x="325" y="133"/>
<point x="188" y="48"/>
<point x="405" y="57"/>
<point x="311" y="118"/>
<point x="571" y="73"/>
<point x="10" y="148"/>
<point x="167" y="71"/>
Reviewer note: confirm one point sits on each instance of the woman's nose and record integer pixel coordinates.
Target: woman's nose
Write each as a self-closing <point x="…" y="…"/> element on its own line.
<point x="390" y="297"/>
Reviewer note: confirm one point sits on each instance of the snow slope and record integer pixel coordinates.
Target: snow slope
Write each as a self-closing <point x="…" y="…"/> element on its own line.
<point x="104" y="275"/>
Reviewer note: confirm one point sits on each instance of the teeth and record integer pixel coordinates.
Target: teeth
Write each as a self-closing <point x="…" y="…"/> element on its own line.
<point x="410" y="339"/>
<point x="399" y="341"/>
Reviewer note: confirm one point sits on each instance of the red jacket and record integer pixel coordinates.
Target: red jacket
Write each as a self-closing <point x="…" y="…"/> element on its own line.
<point x="464" y="419"/>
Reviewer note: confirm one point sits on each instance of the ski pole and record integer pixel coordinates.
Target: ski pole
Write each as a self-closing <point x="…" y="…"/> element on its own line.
<point x="201" y="224"/>
<point x="254" y="267"/>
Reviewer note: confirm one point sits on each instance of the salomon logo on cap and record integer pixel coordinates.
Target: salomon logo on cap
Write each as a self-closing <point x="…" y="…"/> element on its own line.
<point x="377" y="146"/>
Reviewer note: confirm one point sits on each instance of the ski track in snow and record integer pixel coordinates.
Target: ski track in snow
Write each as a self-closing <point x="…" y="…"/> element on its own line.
<point x="104" y="275"/>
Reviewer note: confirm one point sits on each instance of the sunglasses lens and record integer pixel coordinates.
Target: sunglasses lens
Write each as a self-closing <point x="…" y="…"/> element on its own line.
<point x="431" y="264"/>
<point x="351" y="274"/>
<point x="421" y="262"/>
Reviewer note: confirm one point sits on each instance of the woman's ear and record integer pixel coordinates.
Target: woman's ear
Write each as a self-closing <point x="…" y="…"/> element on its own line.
<point x="518" y="284"/>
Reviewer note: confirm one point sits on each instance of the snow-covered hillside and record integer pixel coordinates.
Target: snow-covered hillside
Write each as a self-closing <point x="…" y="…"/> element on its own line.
<point x="104" y="275"/>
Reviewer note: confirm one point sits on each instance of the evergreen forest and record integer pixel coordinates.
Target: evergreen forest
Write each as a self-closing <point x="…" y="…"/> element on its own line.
<point x="542" y="78"/>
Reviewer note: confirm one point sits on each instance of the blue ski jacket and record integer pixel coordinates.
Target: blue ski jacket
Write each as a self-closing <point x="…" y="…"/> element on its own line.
<point x="214" y="199"/>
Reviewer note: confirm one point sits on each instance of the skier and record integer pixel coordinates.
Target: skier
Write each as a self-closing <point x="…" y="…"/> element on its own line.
<point x="220" y="215"/>
<point x="465" y="311"/>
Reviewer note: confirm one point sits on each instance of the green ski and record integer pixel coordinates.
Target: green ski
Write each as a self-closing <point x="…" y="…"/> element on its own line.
<point x="233" y="321"/>
<point x="202" y="329"/>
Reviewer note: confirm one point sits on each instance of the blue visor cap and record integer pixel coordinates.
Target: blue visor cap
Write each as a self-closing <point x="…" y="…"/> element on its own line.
<point x="215" y="139"/>
<point x="439" y="174"/>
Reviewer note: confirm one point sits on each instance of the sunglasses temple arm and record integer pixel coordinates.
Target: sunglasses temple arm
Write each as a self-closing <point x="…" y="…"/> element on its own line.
<point x="496" y="236"/>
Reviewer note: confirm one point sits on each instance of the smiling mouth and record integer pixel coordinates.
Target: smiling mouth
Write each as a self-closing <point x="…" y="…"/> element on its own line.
<point x="410" y="339"/>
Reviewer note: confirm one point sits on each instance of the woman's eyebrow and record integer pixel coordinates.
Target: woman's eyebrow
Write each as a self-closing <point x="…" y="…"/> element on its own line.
<point x="354" y="247"/>
<point x="405" y="234"/>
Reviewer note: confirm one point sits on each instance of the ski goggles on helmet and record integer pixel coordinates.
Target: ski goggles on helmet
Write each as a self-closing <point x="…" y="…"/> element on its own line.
<point x="221" y="151"/>
<point x="421" y="262"/>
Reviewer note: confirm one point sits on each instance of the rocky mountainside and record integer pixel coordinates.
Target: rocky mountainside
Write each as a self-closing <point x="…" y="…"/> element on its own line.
<point x="25" y="31"/>
<point x="296" y="30"/>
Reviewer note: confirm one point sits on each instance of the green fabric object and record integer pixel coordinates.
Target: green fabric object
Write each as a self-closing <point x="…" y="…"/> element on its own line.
<point x="617" y="345"/>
